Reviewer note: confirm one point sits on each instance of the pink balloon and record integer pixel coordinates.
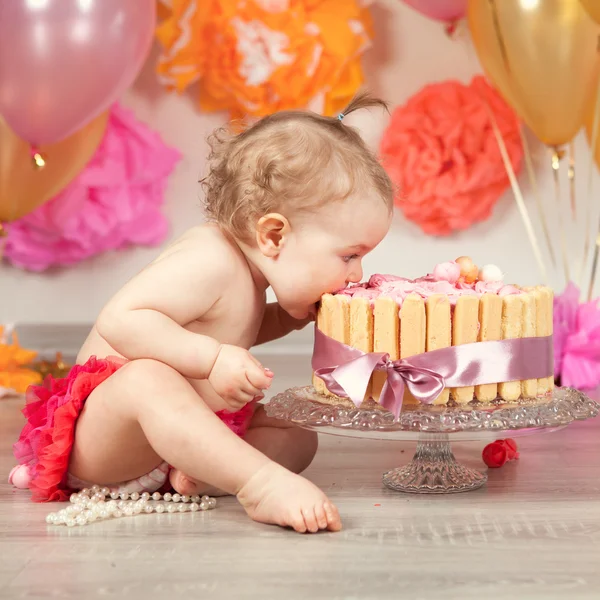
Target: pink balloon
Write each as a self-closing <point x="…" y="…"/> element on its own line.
<point x="63" y="62"/>
<point x="441" y="10"/>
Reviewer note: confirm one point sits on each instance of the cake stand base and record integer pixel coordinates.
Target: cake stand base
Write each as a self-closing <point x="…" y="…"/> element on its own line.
<point x="434" y="470"/>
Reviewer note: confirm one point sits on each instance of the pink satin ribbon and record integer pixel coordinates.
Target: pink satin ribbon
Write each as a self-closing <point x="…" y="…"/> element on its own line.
<point x="346" y="371"/>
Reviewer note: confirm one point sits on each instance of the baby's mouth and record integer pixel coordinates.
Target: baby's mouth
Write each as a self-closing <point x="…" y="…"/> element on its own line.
<point x="340" y="289"/>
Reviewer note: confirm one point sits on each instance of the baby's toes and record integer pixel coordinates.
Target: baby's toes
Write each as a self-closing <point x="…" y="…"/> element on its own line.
<point x="310" y="519"/>
<point x="183" y="484"/>
<point x="321" y="516"/>
<point x="297" y="522"/>
<point x="334" y="523"/>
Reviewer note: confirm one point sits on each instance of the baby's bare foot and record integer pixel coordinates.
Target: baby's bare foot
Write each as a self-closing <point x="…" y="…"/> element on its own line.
<point x="275" y="495"/>
<point x="186" y="486"/>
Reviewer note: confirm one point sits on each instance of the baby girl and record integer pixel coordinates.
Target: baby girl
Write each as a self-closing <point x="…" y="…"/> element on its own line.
<point x="165" y="391"/>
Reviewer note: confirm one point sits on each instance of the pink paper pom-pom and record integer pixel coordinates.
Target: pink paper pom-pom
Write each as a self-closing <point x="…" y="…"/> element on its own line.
<point x="576" y="340"/>
<point x="441" y="151"/>
<point x="113" y="203"/>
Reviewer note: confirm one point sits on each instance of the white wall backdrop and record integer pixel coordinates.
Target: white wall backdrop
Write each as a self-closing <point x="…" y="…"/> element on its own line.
<point x="409" y="52"/>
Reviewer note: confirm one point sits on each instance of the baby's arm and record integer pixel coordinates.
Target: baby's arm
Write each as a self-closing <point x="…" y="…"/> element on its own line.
<point x="277" y="323"/>
<point x="146" y="318"/>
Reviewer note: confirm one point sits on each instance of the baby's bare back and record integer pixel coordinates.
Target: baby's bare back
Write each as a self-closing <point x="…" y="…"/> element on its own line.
<point x="177" y="283"/>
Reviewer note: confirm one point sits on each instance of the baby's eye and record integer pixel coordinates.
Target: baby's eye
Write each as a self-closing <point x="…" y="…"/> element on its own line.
<point x="350" y="257"/>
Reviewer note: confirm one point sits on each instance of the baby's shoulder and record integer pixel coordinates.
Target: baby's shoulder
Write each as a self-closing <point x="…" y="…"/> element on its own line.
<point x="203" y="246"/>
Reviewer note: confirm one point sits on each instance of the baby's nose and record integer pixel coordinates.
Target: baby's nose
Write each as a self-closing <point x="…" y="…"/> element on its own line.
<point x="355" y="275"/>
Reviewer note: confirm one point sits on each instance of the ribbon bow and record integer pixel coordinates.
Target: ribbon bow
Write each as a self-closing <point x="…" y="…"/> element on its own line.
<point x="347" y="371"/>
<point x="424" y="384"/>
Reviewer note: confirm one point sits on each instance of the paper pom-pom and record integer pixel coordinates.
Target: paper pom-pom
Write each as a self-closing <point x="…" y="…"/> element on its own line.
<point x="15" y="372"/>
<point x="260" y="56"/>
<point x="114" y="202"/>
<point x="576" y="340"/>
<point x="441" y="151"/>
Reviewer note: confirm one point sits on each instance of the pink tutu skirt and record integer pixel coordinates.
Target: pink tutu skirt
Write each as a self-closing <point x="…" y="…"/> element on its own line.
<point x="52" y="410"/>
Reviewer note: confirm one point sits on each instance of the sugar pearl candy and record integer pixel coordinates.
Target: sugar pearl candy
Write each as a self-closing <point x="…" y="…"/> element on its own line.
<point x="468" y="269"/>
<point x="447" y="271"/>
<point x="491" y="274"/>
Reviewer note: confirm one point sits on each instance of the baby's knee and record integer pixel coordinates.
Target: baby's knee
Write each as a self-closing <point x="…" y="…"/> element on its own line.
<point x="148" y="374"/>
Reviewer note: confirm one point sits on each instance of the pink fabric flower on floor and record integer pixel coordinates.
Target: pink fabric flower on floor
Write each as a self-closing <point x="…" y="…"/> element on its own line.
<point x="576" y="340"/>
<point x="441" y="151"/>
<point x="113" y="203"/>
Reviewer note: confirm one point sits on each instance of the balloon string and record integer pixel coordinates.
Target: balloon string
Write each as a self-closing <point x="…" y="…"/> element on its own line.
<point x="594" y="266"/>
<point x="518" y="195"/>
<point x="571" y="177"/>
<point x="590" y="200"/>
<point x="536" y="193"/>
<point x="555" y="161"/>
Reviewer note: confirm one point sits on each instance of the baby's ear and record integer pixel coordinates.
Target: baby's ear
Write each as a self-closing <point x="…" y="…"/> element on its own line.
<point x="271" y="231"/>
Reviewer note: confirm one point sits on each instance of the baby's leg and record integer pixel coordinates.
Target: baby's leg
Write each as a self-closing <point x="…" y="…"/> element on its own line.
<point x="283" y="442"/>
<point x="290" y="446"/>
<point x="147" y="412"/>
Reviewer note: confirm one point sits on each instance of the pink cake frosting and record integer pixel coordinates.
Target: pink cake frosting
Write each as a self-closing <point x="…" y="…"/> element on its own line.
<point x="441" y="281"/>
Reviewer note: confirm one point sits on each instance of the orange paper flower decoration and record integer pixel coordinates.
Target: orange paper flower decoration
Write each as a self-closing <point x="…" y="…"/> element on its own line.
<point x="441" y="151"/>
<point x="260" y="56"/>
<point x="14" y="375"/>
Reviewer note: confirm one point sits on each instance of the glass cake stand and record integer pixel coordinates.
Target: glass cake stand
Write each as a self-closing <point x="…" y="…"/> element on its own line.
<point x="433" y="469"/>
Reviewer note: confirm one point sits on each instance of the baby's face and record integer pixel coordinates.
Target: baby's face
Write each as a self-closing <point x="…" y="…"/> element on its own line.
<point x="324" y="252"/>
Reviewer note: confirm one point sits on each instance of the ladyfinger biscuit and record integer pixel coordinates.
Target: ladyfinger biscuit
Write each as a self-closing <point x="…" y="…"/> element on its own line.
<point x="333" y="319"/>
<point x="464" y="331"/>
<point x="512" y="327"/>
<point x="490" y="329"/>
<point x="361" y="329"/>
<point x="548" y="293"/>
<point x="530" y="326"/>
<point x="386" y="337"/>
<point x="412" y="332"/>
<point x="438" y="330"/>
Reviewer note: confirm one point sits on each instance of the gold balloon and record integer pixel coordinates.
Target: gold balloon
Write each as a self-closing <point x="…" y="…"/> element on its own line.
<point x="27" y="181"/>
<point x="542" y="57"/>
<point x="593" y="9"/>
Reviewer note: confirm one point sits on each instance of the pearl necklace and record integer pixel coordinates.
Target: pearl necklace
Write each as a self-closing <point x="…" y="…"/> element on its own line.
<point x="88" y="506"/>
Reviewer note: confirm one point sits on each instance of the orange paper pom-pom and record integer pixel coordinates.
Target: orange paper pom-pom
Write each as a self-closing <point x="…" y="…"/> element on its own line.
<point x="260" y="56"/>
<point x="441" y="151"/>
<point x="14" y="360"/>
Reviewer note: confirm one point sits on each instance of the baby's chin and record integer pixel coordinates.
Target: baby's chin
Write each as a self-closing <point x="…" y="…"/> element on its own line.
<point x="301" y="314"/>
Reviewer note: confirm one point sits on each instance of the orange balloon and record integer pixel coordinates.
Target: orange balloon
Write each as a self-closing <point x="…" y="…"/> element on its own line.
<point x="23" y="186"/>
<point x="593" y="9"/>
<point x="542" y="58"/>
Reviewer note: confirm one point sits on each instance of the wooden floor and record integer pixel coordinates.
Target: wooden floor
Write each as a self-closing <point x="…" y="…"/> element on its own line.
<point x="532" y="532"/>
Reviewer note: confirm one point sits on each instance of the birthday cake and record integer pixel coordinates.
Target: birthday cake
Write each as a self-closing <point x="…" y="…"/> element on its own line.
<point x="457" y="304"/>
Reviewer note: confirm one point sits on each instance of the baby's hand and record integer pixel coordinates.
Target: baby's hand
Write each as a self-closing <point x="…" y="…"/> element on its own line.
<point x="238" y="377"/>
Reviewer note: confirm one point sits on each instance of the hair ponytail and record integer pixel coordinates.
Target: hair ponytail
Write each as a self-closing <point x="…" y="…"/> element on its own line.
<point x="360" y="101"/>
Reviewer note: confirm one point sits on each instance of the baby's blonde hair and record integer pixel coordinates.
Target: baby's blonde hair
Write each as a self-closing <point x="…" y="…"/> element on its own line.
<point x="287" y="162"/>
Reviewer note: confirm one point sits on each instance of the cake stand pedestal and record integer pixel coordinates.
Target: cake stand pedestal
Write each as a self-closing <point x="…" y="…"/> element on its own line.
<point x="434" y="469"/>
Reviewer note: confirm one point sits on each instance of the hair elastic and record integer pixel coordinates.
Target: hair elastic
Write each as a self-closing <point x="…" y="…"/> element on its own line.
<point x="341" y="116"/>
